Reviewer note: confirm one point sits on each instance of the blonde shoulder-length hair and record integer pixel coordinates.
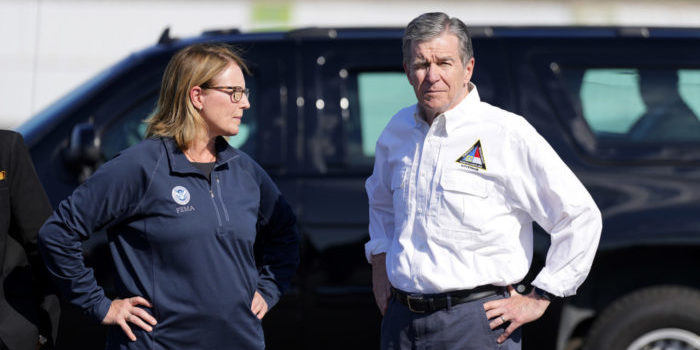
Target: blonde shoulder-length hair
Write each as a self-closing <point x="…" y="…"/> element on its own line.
<point x="196" y="65"/>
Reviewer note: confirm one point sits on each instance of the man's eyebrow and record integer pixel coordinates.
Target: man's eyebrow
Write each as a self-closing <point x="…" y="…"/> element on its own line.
<point x="445" y="58"/>
<point x="421" y="60"/>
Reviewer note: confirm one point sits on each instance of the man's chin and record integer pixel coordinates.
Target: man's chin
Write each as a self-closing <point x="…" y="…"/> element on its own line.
<point x="429" y="109"/>
<point x="433" y="103"/>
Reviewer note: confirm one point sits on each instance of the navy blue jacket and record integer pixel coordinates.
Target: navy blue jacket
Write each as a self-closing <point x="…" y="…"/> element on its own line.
<point x="182" y="242"/>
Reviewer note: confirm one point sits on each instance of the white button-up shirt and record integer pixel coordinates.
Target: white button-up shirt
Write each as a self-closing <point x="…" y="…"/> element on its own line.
<point x="452" y="204"/>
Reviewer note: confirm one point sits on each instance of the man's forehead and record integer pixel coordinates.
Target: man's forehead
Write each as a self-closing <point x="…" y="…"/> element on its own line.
<point x="445" y="45"/>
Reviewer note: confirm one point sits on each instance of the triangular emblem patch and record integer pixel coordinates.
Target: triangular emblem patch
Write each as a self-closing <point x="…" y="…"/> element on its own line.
<point x="474" y="157"/>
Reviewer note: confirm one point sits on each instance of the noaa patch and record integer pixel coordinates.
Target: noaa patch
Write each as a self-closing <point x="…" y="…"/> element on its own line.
<point x="181" y="195"/>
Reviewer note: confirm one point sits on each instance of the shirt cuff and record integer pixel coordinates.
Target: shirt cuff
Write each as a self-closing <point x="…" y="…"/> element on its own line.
<point x="376" y="246"/>
<point x="564" y="284"/>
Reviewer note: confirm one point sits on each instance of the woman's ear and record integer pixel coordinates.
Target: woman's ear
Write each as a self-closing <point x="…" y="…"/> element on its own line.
<point x="197" y="97"/>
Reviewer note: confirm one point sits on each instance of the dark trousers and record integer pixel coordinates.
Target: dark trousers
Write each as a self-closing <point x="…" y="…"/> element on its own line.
<point x="462" y="327"/>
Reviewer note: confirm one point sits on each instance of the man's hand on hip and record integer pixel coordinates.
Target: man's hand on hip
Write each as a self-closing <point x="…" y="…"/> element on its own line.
<point x="380" y="282"/>
<point x="517" y="309"/>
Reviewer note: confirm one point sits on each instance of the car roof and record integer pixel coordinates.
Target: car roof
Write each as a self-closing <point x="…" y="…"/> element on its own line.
<point x="340" y="33"/>
<point x="35" y="127"/>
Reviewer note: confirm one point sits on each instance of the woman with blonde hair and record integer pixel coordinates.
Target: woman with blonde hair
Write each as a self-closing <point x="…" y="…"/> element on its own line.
<point x="183" y="210"/>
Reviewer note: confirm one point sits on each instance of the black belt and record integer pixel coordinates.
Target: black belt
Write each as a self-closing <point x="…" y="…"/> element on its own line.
<point x="421" y="303"/>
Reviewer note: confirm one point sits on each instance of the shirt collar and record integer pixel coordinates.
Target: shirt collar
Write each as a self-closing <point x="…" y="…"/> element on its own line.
<point x="419" y="121"/>
<point x="180" y="164"/>
<point x="460" y="114"/>
<point x="457" y="116"/>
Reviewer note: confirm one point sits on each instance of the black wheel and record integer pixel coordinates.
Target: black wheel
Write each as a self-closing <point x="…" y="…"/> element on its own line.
<point x="656" y="318"/>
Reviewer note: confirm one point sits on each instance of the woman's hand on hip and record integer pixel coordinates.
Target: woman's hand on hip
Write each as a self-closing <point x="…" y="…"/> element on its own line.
<point x="124" y="311"/>
<point x="258" y="306"/>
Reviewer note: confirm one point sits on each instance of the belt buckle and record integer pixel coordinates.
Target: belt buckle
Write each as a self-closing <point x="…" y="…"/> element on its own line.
<point x="415" y="298"/>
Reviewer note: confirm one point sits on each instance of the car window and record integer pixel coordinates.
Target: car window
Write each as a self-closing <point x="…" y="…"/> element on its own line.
<point x="638" y="105"/>
<point x="689" y="88"/>
<point x="129" y="127"/>
<point x="127" y="130"/>
<point x="380" y="95"/>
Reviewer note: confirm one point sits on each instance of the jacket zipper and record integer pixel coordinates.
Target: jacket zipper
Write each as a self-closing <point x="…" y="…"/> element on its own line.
<point x="216" y="209"/>
<point x="221" y="198"/>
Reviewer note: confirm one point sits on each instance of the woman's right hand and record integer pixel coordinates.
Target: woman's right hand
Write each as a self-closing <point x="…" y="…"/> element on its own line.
<point x="124" y="311"/>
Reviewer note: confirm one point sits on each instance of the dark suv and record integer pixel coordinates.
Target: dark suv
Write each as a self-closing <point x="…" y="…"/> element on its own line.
<point x="621" y="106"/>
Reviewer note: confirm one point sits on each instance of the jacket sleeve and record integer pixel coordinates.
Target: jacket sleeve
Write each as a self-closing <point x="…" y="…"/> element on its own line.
<point x="381" y="206"/>
<point x="277" y="242"/>
<point x="30" y="207"/>
<point x="104" y="200"/>
<point x="554" y="197"/>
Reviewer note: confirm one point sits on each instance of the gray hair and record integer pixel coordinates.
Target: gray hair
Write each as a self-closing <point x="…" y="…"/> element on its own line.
<point x="431" y="25"/>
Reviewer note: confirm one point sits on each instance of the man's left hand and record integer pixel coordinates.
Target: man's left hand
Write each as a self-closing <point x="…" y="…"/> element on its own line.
<point x="518" y="309"/>
<point x="258" y="306"/>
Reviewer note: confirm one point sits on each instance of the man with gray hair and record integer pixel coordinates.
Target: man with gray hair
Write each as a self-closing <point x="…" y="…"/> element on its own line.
<point x="456" y="186"/>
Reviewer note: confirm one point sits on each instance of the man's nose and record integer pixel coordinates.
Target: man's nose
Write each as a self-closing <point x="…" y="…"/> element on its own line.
<point x="433" y="73"/>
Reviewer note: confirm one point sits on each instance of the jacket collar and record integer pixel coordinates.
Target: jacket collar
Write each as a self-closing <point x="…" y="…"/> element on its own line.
<point x="180" y="164"/>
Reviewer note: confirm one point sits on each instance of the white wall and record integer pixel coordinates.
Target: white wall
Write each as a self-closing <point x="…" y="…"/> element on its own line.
<point x="49" y="47"/>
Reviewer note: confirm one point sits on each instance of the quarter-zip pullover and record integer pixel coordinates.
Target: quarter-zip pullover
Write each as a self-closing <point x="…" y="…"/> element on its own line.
<point x="179" y="240"/>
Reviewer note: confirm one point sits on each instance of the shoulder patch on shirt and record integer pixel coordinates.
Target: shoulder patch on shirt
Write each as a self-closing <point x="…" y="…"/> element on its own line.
<point x="474" y="157"/>
<point x="181" y="195"/>
<point x="3" y="175"/>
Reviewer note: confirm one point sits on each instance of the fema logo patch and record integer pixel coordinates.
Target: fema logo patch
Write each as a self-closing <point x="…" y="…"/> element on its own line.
<point x="181" y="195"/>
<point x="474" y="157"/>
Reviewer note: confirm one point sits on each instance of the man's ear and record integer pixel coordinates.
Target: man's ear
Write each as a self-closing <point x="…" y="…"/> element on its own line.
<point x="196" y="97"/>
<point x="468" y="71"/>
<point x="407" y="70"/>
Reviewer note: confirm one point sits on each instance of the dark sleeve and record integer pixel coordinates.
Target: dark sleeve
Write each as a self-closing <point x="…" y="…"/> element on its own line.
<point x="277" y="242"/>
<point x="30" y="207"/>
<point x="107" y="198"/>
<point x="29" y="204"/>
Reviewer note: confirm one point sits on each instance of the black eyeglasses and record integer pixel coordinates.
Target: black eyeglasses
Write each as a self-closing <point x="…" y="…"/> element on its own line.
<point x="236" y="92"/>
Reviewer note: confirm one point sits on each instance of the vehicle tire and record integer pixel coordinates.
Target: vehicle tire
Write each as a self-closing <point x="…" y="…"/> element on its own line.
<point x="664" y="318"/>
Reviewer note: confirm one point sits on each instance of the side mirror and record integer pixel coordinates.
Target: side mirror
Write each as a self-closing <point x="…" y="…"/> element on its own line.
<point x="82" y="153"/>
